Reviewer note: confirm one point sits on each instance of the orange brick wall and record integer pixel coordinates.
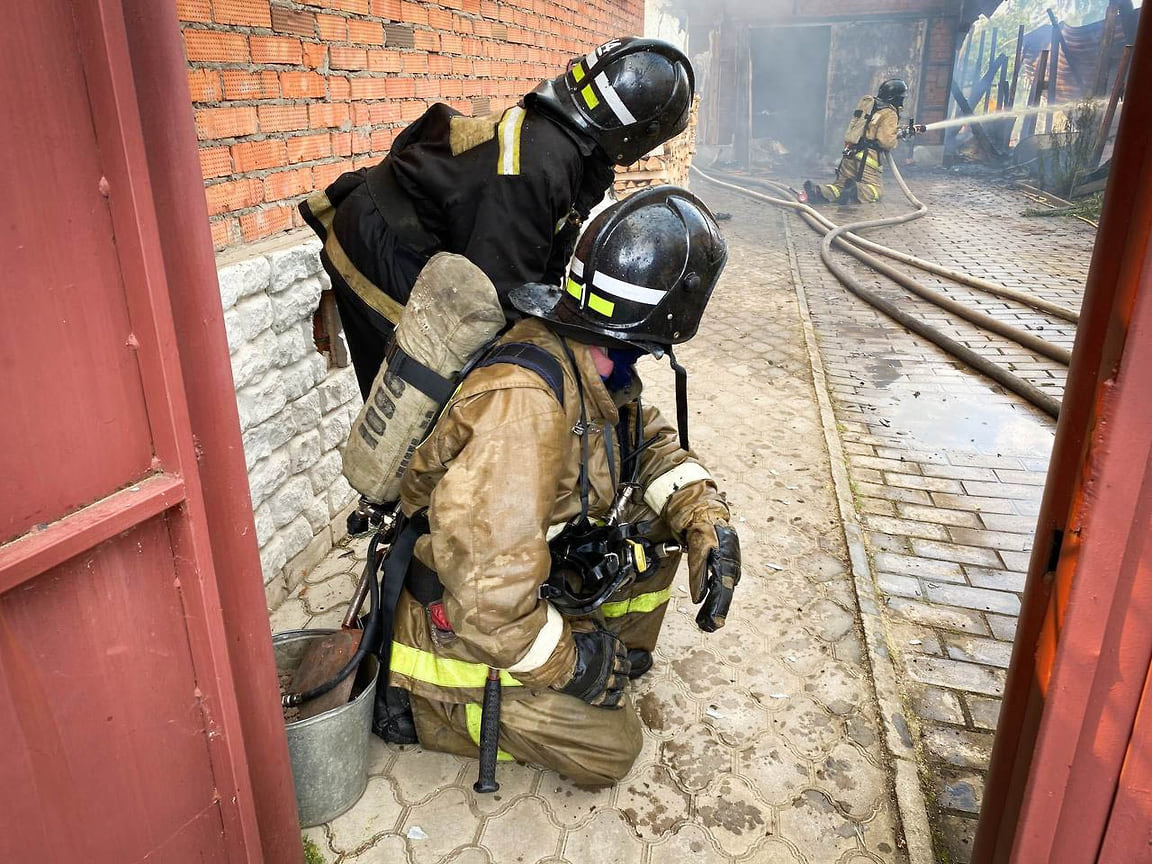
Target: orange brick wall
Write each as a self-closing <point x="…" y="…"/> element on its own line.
<point x="288" y="95"/>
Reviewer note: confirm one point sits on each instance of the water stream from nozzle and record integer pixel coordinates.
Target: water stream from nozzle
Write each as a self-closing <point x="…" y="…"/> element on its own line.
<point x="1005" y="115"/>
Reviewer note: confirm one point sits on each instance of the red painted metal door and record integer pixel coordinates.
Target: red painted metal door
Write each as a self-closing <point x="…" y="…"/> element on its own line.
<point x="1070" y="781"/>
<point x="121" y="731"/>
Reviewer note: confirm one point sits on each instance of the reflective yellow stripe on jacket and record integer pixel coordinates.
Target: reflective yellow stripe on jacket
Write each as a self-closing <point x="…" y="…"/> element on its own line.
<point x="511" y="125"/>
<point x="473" y="713"/>
<point x="640" y="603"/>
<point x="440" y="671"/>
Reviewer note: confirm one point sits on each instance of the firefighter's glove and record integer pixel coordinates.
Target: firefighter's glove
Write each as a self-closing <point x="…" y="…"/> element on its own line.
<point x="601" y="671"/>
<point x="713" y="571"/>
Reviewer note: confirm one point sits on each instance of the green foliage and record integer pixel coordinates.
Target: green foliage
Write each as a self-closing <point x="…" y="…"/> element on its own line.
<point x="1073" y="147"/>
<point x="1086" y="208"/>
<point x="312" y="854"/>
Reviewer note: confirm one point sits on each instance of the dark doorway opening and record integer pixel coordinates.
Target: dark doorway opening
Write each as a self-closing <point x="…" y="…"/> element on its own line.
<point x="789" y="90"/>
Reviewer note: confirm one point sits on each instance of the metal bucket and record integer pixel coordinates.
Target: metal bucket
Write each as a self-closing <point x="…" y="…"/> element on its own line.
<point x="329" y="751"/>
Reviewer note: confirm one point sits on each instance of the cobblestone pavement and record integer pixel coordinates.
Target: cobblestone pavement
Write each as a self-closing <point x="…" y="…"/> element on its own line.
<point x="946" y="469"/>
<point x="763" y="742"/>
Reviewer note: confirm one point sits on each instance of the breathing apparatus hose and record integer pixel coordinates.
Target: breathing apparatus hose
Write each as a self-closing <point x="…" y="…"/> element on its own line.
<point x="367" y="636"/>
<point x="981" y="364"/>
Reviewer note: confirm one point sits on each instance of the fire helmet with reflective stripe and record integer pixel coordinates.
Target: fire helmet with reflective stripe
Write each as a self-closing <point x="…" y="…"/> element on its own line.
<point x="642" y="273"/>
<point x="893" y="92"/>
<point x="628" y="96"/>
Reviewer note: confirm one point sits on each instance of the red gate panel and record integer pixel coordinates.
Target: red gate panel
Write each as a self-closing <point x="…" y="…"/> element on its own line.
<point x="65" y="316"/>
<point x="123" y="739"/>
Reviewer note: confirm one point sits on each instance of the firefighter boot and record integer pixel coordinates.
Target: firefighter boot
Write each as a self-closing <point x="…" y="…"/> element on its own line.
<point x="641" y="661"/>
<point x="849" y="194"/>
<point x="812" y="194"/>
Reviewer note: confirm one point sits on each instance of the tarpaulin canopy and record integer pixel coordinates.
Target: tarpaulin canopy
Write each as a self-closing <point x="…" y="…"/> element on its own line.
<point x="1079" y="53"/>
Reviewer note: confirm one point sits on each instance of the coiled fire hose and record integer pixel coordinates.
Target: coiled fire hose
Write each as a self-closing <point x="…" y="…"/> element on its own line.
<point x="835" y="235"/>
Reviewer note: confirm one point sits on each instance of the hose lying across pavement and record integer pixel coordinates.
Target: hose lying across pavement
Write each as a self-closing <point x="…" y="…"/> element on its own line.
<point x="985" y="285"/>
<point x="841" y="237"/>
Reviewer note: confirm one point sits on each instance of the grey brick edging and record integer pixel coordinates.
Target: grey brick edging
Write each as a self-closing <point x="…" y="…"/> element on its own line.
<point x="910" y="800"/>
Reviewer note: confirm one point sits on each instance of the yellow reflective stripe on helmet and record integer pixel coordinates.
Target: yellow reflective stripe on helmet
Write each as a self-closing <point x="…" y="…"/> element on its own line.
<point x="599" y="304"/>
<point x="594" y="301"/>
<point x="578" y="72"/>
<point x="473" y="713"/>
<point x="589" y="96"/>
<point x="441" y="671"/>
<point x="640" y="603"/>
<point x="511" y="125"/>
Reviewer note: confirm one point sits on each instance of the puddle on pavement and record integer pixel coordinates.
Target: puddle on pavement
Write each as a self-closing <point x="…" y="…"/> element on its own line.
<point x="965" y="421"/>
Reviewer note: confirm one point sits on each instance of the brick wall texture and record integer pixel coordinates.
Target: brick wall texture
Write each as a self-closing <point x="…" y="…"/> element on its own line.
<point x="289" y="95"/>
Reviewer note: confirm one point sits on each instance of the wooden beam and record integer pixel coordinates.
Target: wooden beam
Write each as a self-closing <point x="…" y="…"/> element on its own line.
<point x="993" y="61"/>
<point x="1111" y="21"/>
<point x="977" y="132"/>
<point x="1029" y="127"/>
<point x="1110" y="113"/>
<point x="1016" y="67"/>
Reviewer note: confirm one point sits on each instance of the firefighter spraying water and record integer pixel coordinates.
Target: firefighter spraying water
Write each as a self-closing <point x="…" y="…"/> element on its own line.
<point x="873" y="130"/>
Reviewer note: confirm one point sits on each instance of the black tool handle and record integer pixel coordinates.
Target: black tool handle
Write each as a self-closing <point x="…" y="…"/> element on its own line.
<point x="489" y="734"/>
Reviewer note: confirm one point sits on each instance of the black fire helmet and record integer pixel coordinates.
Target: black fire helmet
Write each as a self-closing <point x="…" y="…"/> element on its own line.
<point x="628" y="96"/>
<point x="893" y="92"/>
<point x="642" y="274"/>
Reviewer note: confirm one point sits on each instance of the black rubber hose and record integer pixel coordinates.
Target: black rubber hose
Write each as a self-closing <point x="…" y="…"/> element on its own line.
<point x="367" y="636"/>
<point x="821" y="223"/>
<point x="963" y="353"/>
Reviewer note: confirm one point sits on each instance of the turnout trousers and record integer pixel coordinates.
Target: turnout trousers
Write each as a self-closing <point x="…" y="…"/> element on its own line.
<point x="588" y="745"/>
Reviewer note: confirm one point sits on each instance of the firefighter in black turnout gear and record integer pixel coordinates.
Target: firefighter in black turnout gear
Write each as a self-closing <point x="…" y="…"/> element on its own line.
<point x="507" y="192"/>
<point x="873" y="130"/>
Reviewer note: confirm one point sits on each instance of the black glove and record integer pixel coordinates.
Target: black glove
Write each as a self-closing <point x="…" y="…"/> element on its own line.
<point x="601" y="669"/>
<point x="714" y="572"/>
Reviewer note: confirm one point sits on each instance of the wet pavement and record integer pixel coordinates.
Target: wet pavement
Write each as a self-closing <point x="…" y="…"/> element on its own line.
<point x="763" y="742"/>
<point x="946" y="469"/>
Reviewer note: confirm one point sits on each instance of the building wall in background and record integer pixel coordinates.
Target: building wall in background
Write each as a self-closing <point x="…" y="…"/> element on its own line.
<point x="288" y="95"/>
<point x="870" y="40"/>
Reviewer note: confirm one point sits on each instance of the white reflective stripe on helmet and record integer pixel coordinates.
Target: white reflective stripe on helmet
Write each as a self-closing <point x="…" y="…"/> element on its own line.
<point x="664" y="486"/>
<point x="543" y="645"/>
<point x="614" y="101"/>
<point x="628" y="291"/>
<point x="618" y="288"/>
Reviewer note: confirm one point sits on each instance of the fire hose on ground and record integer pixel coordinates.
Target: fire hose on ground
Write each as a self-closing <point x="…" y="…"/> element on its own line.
<point x="844" y="238"/>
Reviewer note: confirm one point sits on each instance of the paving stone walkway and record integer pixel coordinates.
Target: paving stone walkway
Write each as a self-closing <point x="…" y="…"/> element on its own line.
<point x="946" y="468"/>
<point x="763" y="742"/>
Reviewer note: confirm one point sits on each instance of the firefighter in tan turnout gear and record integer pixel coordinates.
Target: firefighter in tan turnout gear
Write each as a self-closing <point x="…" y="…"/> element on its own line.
<point x="555" y="502"/>
<point x="873" y="130"/>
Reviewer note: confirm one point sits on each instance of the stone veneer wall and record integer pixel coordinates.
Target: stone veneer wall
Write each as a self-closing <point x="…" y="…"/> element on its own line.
<point x="296" y="407"/>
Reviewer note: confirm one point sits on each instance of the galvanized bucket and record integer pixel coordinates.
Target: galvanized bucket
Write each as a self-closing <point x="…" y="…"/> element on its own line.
<point x="329" y="751"/>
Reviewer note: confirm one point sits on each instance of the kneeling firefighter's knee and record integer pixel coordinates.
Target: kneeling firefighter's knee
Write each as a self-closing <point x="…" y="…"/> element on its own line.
<point x="618" y="749"/>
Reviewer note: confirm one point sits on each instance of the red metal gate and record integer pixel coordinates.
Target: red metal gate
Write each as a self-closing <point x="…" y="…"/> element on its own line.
<point x="1071" y="775"/>
<point x="132" y="662"/>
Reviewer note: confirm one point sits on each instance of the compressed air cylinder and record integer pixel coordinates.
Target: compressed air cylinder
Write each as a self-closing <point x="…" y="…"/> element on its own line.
<point x="452" y="314"/>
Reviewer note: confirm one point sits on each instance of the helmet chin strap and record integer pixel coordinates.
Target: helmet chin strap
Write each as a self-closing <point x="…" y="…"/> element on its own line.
<point x="681" y="397"/>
